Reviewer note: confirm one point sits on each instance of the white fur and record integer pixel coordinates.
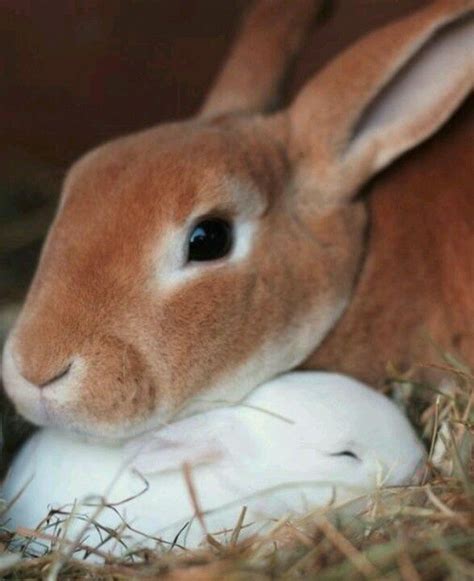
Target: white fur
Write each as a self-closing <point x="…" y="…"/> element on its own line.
<point x="272" y="453"/>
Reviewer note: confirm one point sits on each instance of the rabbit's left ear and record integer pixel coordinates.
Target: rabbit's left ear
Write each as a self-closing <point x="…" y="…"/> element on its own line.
<point x="381" y="97"/>
<point x="269" y="38"/>
<point x="195" y="440"/>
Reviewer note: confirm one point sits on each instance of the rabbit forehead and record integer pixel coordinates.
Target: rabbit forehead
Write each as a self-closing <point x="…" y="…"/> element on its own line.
<point x="127" y="201"/>
<point x="160" y="180"/>
<point x="334" y="409"/>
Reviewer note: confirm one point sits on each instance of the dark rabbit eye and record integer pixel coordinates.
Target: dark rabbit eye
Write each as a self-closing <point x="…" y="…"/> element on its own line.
<point x="210" y="239"/>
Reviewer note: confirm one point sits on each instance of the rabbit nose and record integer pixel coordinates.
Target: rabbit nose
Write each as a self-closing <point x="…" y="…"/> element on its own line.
<point x="55" y="378"/>
<point x="39" y="376"/>
<point x="44" y="379"/>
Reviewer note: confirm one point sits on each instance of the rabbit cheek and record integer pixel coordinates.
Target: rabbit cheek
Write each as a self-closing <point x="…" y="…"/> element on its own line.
<point x="201" y="318"/>
<point x="117" y="389"/>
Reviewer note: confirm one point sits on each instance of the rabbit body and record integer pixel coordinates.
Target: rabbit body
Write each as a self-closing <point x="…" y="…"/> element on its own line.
<point x="126" y="321"/>
<point x="290" y="446"/>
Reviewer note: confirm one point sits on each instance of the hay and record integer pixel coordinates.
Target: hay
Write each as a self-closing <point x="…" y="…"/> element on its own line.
<point x="413" y="532"/>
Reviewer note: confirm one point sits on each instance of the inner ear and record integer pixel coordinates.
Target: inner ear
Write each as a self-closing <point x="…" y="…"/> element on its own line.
<point x="412" y="93"/>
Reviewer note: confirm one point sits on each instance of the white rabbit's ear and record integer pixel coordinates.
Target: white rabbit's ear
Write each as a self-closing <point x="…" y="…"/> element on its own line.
<point x="195" y="440"/>
<point x="269" y="38"/>
<point x="383" y="96"/>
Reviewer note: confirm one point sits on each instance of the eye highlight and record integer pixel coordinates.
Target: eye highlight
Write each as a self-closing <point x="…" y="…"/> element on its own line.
<point x="210" y="239"/>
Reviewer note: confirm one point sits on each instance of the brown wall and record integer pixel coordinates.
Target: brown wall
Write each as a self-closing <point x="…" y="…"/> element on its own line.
<point x="74" y="73"/>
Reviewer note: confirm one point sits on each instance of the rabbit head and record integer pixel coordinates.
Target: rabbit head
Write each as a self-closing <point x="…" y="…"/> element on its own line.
<point x="212" y="254"/>
<point x="121" y="322"/>
<point x="335" y="439"/>
<point x="333" y="430"/>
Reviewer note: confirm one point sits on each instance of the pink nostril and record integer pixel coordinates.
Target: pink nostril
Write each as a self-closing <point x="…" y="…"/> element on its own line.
<point x="56" y="377"/>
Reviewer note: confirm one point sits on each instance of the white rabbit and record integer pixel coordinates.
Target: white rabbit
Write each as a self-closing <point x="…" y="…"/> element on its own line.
<point x="212" y="254"/>
<point x="297" y="442"/>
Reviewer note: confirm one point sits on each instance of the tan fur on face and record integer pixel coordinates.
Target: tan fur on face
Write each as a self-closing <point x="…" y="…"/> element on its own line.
<point x="145" y="347"/>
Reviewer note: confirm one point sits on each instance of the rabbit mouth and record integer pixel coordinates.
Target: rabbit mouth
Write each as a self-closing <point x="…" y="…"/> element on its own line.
<point x="105" y="392"/>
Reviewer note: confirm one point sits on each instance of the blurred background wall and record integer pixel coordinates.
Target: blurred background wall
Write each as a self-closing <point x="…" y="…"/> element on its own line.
<point x="75" y="73"/>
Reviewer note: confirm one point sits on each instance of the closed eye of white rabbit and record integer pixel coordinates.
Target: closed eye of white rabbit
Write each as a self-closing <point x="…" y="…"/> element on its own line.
<point x="297" y="442"/>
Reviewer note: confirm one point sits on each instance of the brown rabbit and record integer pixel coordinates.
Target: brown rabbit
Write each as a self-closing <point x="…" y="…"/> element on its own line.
<point x="207" y="256"/>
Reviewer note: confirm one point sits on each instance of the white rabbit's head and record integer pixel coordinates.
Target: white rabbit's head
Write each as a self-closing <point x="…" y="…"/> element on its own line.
<point x="218" y="252"/>
<point x="340" y="431"/>
<point x="332" y="430"/>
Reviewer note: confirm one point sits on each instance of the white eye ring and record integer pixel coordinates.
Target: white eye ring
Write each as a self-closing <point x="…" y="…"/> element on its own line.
<point x="171" y="265"/>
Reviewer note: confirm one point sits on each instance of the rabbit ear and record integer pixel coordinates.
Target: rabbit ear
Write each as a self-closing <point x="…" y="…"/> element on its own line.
<point x="383" y="96"/>
<point x="195" y="440"/>
<point x="270" y="36"/>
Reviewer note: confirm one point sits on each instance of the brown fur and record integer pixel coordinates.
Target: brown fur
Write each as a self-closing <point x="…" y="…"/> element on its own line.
<point x="101" y="297"/>
<point x="149" y="348"/>
<point x="414" y="297"/>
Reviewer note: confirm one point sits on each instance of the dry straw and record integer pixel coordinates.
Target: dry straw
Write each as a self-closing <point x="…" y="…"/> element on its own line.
<point x="409" y="533"/>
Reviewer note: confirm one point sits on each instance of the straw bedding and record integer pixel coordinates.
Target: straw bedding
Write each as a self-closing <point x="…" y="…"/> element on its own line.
<point x="417" y="532"/>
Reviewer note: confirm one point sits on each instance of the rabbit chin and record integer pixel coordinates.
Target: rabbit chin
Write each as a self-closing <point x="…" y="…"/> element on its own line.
<point x="107" y="417"/>
<point x="61" y="407"/>
<point x="49" y="413"/>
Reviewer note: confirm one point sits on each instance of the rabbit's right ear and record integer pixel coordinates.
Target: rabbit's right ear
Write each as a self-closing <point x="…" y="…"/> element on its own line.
<point x="381" y="97"/>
